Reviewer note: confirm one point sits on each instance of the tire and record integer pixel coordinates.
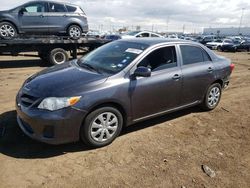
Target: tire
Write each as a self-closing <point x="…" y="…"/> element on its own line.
<point x="7" y="31"/>
<point x="94" y="133"/>
<point x="248" y="49"/>
<point x="212" y="97"/>
<point x="75" y="32"/>
<point x="58" y="56"/>
<point x="219" y="48"/>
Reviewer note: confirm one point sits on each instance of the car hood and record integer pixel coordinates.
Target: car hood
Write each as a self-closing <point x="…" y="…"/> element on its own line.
<point x="63" y="80"/>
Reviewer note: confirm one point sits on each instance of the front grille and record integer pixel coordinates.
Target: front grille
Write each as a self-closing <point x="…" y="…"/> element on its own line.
<point x="28" y="100"/>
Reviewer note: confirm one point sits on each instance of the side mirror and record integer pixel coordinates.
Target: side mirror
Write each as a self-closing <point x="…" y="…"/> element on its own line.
<point x="22" y="11"/>
<point x="142" y="72"/>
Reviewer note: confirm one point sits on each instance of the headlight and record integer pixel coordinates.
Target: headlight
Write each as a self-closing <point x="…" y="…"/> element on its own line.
<point x="54" y="103"/>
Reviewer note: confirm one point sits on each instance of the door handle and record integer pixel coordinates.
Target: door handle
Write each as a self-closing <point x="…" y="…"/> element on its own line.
<point x="210" y="69"/>
<point x="176" y="77"/>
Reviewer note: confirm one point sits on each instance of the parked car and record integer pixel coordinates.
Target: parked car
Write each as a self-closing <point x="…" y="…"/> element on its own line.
<point x="229" y="45"/>
<point x="113" y="37"/>
<point x="214" y="44"/>
<point x="119" y="84"/>
<point x="43" y="17"/>
<point x="244" y="45"/>
<point x="206" y="39"/>
<point x="138" y="34"/>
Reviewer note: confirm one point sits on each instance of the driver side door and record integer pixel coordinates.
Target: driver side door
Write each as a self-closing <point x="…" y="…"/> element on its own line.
<point x="33" y="18"/>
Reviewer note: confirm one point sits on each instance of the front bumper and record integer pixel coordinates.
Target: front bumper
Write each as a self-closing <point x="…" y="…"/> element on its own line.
<point x="57" y="127"/>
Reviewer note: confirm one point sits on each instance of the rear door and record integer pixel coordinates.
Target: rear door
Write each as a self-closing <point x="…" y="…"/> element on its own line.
<point x="34" y="18"/>
<point x="198" y="73"/>
<point x="57" y="18"/>
<point x="161" y="91"/>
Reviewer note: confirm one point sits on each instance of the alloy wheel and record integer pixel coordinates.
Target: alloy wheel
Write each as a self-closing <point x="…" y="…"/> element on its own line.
<point x="75" y="32"/>
<point x="7" y="30"/>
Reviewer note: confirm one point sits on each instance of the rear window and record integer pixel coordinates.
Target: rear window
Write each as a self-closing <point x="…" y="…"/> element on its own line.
<point x="193" y="54"/>
<point x="71" y="8"/>
<point x="55" y="7"/>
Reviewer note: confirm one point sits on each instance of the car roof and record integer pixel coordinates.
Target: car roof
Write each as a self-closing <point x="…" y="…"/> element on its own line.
<point x="153" y="41"/>
<point x="51" y="1"/>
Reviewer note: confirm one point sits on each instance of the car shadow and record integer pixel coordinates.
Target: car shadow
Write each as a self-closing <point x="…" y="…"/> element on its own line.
<point x="14" y="143"/>
<point x="22" y="63"/>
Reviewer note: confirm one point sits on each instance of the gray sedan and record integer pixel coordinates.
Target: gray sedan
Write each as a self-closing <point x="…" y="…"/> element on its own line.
<point x="117" y="85"/>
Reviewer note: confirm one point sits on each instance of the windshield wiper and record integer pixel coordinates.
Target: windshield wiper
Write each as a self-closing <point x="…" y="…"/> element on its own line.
<point x="89" y="67"/>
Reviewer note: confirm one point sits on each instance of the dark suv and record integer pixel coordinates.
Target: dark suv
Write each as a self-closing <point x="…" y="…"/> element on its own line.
<point x="119" y="84"/>
<point x="43" y="17"/>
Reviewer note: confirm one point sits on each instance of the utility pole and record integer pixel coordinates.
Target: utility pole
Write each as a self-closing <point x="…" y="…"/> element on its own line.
<point x="241" y="18"/>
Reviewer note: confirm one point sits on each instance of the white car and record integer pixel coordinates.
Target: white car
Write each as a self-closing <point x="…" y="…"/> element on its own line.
<point x="217" y="43"/>
<point x="136" y="34"/>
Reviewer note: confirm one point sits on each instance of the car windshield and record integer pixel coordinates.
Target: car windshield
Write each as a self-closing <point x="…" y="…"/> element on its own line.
<point x="112" y="57"/>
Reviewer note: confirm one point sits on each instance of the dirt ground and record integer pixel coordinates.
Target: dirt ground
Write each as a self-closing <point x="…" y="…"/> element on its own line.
<point x="164" y="152"/>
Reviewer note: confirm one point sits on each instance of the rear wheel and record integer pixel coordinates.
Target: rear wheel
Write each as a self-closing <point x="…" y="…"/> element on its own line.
<point x="7" y="30"/>
<point x="75" y="32"/>
<point x="101" y="127"/>
<point x="212" y="97"/>
<point x="58" y="56"/>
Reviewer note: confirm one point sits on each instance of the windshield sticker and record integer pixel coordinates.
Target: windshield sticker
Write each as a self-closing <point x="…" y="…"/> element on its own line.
<point x="134" y="51"/>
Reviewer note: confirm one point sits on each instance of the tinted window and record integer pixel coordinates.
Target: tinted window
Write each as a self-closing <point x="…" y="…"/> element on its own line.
<point x="143" y="35"/>
<point x="71" y="8"/>
<point x="192" y="54"/>
<point x="160" y="59"/>
<point x="35" y="7"/>
<point x="54" y="7"/>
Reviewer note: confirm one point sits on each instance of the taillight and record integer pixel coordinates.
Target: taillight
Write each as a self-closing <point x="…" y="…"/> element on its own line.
<point x="232" y="67"/>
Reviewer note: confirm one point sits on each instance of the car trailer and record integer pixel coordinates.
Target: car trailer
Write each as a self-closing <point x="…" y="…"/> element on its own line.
<point x="50" y="49"/>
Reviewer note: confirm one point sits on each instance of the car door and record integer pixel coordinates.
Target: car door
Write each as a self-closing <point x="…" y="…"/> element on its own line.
<point x="33" y="19"/>
<point x="57" y="18"/>
<point x="197" y="71"/>
<point x="161" y="91"/>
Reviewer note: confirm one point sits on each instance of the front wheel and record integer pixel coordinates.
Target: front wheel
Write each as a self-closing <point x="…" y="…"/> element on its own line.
<point x="7" y="30"/>
<point x="101" y="127"/>
<point x="212" y="97"/>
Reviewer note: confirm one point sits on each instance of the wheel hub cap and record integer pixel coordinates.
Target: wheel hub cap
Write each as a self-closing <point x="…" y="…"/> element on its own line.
<point x="213" y="96"/>
<point x="104" y="127"/>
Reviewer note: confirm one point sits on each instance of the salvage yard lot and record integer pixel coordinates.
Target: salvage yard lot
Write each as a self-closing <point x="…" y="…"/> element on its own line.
<point x="163" y="152"/>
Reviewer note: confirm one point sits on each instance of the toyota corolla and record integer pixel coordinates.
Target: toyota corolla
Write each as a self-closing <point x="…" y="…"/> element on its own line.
<point x="119" y="84"/>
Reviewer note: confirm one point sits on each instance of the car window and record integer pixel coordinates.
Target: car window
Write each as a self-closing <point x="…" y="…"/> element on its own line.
<point x="160" y="59"/>
<point x="193" y="54"/>
<point x="153" y="35"/>
<point x="71" y="8"/>
<point x="35" y="8"/>
<point x="55" y="7"/>
<point x="143" y="35"/>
